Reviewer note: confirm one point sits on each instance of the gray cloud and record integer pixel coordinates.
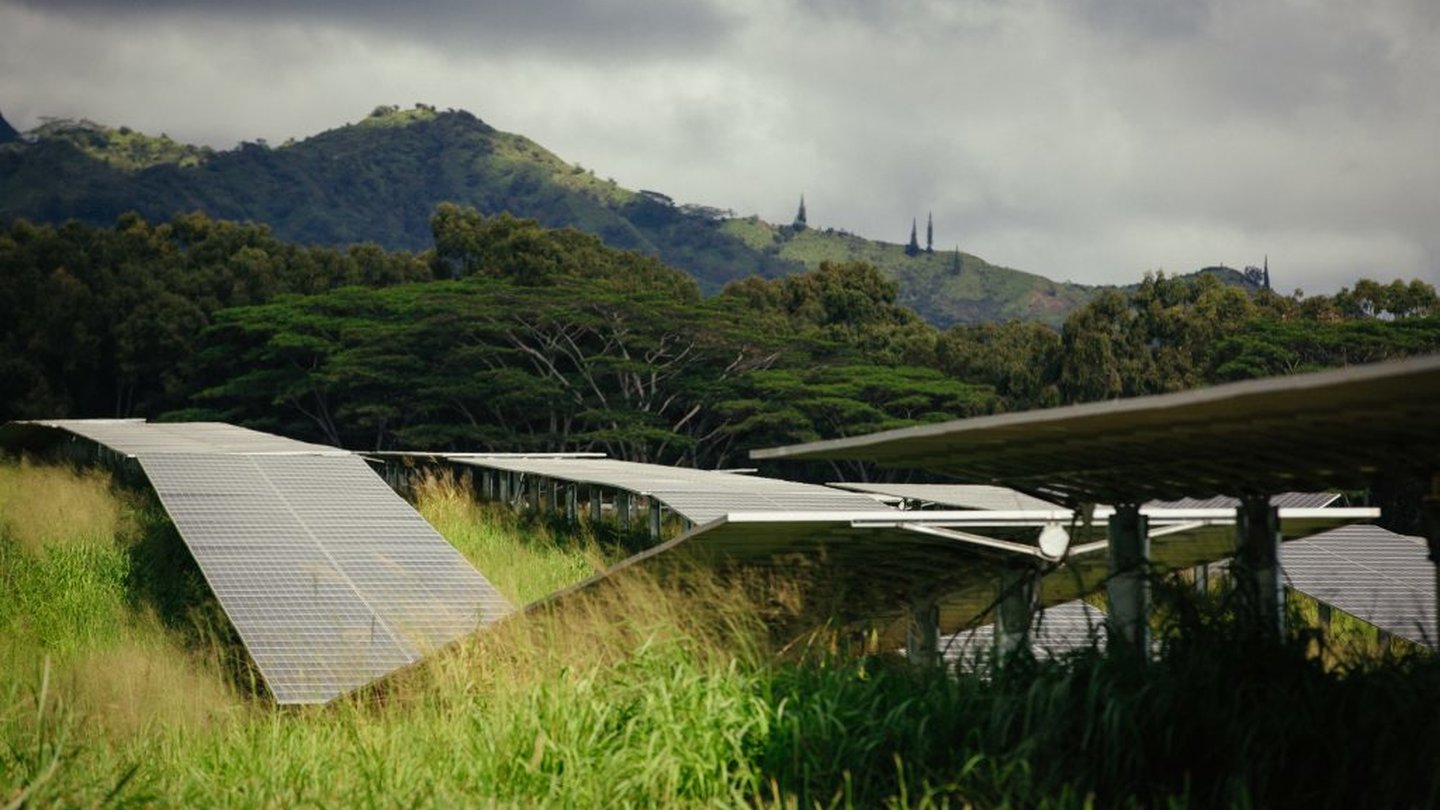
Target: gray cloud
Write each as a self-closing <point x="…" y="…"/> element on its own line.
<point x="590" y="29"/>
<point x="1091" y="141"/>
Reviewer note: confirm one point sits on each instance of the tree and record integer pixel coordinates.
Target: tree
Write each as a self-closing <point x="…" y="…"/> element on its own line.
<point x="913" y="248"/>
<point x="929" y="233"/>
<point x="800" y="221"/>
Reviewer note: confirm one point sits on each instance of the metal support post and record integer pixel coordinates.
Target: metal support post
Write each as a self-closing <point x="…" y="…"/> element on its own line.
<point x="1431" y="513"/>
<point x="505" y="488"/>
<point x="1202" y="579"/>
<point x="622" y="510"/>
<point x="572" y="503"/>
<point x="1015" y="611"/>
<point x="657" y="518"/>
<point x="922" y="633"/>
<point x="1128" y="586"/>
<point x="597" y="503"/>
<point x="1259" y="582"/>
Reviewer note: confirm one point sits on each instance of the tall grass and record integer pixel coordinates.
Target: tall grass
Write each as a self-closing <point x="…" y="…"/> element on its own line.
<point x="648" y="694"/>
<point x="525" y="556"/>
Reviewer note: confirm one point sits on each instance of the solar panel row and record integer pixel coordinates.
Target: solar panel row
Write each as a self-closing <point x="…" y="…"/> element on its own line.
<point x="330" y="579"/>
<point x="699" y="496"/>
<point x="1381" y="577"/>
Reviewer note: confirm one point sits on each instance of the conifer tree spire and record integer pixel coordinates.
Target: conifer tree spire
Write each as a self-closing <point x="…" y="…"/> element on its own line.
<point x="800" y="221"/>
<point x="913" y="248"/>
<point x="929" y="232"/>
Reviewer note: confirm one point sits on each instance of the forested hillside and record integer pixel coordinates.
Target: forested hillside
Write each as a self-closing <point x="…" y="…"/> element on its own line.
<point x="379" y="180"/>
<point x="505" y="335"/>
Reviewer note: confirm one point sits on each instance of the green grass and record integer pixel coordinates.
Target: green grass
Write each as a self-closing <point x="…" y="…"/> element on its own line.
<point x="643" y="694"/>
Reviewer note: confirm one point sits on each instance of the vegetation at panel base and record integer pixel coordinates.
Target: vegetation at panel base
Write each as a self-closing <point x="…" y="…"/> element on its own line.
<point x="647" y="694"/>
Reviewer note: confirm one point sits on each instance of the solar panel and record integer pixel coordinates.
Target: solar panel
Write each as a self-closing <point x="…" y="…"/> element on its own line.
<point x="133" y="437"/>
<point x="1285" y="500"/>
<point x="330" y="579"/>
<point x="699" y="496"/>
<point x="1381" y="577"/>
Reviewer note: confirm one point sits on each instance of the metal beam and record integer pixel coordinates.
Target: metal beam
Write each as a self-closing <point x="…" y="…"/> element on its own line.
<point x="1259" y="584"/>
<point x="1128" y="585"/>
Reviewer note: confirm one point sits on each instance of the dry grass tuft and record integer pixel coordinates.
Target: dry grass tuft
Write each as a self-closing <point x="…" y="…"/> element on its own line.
<point x="43" y="505"/>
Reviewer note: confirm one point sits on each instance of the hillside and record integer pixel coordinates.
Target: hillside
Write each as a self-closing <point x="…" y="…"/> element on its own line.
<point x="380" y="179"/>
<point x="945" y="287"/>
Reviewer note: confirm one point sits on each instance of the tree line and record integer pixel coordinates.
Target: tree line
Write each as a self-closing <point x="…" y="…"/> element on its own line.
<point x="505" y="335"/>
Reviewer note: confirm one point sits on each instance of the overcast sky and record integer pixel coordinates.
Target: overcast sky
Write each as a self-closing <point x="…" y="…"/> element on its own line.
<point x="1088" y="140"/>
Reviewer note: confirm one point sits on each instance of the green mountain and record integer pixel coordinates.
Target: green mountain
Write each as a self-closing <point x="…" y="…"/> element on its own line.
<point x="379" y="181"/>
<point x="7" y="132"/>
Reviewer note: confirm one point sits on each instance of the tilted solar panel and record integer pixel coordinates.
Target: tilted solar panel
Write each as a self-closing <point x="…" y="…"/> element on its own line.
<point x="329" y="578"/>
<point x="1379" y="576"/>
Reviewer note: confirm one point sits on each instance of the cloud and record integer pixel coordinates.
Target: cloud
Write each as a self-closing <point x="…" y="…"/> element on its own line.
<point x="1091" y="141"/>
<point x="571" y="29"/>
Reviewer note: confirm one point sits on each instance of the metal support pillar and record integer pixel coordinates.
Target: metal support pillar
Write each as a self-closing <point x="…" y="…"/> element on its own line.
<point x="922" y="633"/>
<point x="505" y="489"/>
<point x="1202" y="579"/>
<point x="1128" y="586"/>
<point x="572" y="503"/>
<point x="657" y="519"/>
<point x="1431" y="518"/>
<point x="1015" y="611"/>
<point x="622" y="510"/>
<point x="1259" y="582"/>
<point x="597" y="503"/>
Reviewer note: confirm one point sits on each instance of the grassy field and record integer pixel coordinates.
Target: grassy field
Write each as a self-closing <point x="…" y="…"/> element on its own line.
<point x="120" y="686"/>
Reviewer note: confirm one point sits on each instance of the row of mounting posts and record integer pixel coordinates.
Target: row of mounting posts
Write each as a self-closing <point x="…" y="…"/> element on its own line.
<point x="1256" y="573"/>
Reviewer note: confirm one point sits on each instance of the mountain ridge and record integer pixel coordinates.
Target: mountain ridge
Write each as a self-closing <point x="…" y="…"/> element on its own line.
<point x="379" y="180"/>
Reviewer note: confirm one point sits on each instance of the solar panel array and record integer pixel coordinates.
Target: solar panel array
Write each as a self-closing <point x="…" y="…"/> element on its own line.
<point x="699" y="496"/>
<point x="1285" y="500"/>
<point x="330" y="579"/>
<point x="1381" y="577"/>
<point x="1055" y="631"/>
<point x="863" y="566"/>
